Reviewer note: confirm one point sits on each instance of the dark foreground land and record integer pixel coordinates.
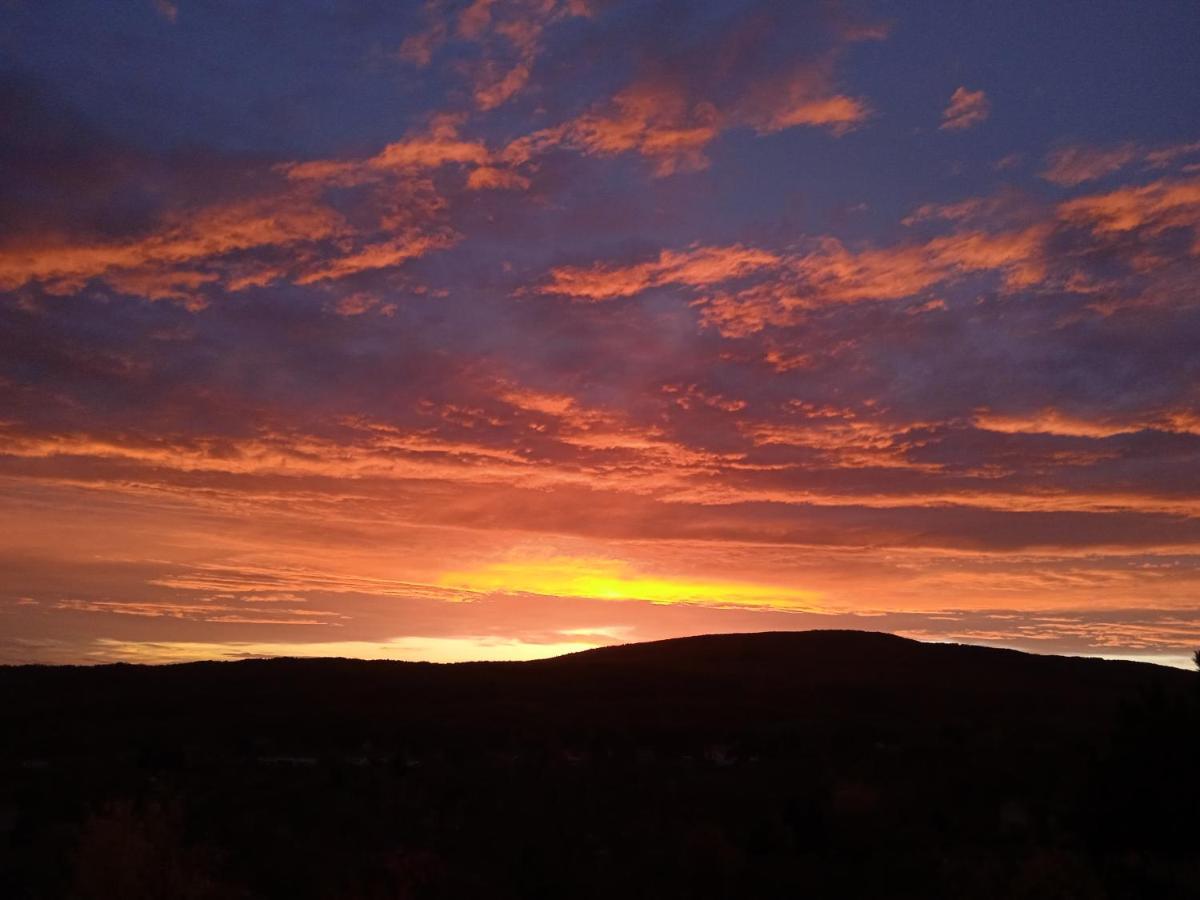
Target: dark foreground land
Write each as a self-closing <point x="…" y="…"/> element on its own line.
<point x="812" y="764"/>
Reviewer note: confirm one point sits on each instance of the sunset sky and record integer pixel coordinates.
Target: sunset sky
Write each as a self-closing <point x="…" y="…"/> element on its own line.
<point x="496" y="329"/>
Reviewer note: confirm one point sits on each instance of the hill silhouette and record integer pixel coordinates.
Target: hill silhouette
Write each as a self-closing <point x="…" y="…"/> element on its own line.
<point x="836" y="763"/>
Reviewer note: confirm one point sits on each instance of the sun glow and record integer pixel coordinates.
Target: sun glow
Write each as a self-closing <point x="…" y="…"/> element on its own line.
<point x="607" y="579"/>
<point x="409" y="649"/>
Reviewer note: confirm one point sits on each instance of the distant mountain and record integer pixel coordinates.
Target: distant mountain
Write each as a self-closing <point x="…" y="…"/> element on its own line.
<point x="821" y="763"/>
<point x="864" y="656"/>
<point x="772" y="680"/>
<point x="714" y="675"/>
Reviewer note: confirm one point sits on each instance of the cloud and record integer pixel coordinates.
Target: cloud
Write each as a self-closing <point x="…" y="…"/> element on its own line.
<point x="292" y="235"/>
<point x="418" y="49"/>
<point x="493" y="178"/>
<point x="450" y="346"/>
<point x="381" y="255"/>
<point x="163" y="262"/>
<point x="656" y="121"/>
<point x="285" y="230"/>
<point x="203" y="612"/>
<point x="683" y="100"/>
<point x="1069" y="166"/>
<point x="1149" y="209"/>
<point x="439" y="145"/>
<point x="803" y="96"/>
<point x="357" y="304"/>
<point x="1053" y="421"/>
<point x="167" y="10"/>
<point x="1075" y="164"/>
<point x="828" y="273"/>
<point x="663" y="123"/>
<point x="1035" y="248"/>
<point x="508" y="38"/>
<point x="966" y="110"/>
<point x="694" y="267"/>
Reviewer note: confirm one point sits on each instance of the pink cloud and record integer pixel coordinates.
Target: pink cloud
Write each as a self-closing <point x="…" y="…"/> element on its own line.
<point x="167" y="9"/>
<point x="1072" y="165"/>
<point x="1069" y="166"/>
<point x="966" y="110"/>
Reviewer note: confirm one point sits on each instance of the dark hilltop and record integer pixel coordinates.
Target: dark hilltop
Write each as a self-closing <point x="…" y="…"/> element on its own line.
<point x="826" y="763"/>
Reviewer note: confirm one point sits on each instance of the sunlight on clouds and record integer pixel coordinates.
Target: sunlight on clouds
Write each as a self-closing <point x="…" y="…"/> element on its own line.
<point x="604" y="579"/>
<point x="591" y="312"/>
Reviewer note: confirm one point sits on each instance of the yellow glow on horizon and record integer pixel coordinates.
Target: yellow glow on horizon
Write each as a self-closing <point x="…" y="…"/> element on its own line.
<point x="410" y="649"/>
<point x="607" y="579"/>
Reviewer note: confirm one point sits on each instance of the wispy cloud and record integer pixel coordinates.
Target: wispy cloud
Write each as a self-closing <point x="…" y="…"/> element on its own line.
<point x="966" y="110"/>
<point x="167" y="10"/>
<point x="1075" y="164"/>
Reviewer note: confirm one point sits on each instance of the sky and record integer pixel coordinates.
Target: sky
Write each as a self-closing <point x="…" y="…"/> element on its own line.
<point x="497" y="329"/>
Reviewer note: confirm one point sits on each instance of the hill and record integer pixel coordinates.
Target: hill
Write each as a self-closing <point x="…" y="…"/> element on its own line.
<point x="836" y="762"/>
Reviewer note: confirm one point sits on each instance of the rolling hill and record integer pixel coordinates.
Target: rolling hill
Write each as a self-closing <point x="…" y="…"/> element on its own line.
<point x="830" y="762"/>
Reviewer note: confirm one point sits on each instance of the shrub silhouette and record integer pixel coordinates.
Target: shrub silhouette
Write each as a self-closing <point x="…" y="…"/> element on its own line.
<point x="136" y="851"/>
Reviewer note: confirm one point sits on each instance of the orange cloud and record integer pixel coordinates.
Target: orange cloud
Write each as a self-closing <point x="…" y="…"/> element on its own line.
<point x="784" y="286"/>
<point x="833" y="274"/>
<point x="1072" y="165"/>
<point x="1165" y="156"/>
<point x="829" y="273"/>
<point x="671" y="121"/>
<point x="165" y="284"/>
<point x="539" y="401"/>
<point x="418" y="49"/>
<point x="184" y="240"/>
<point x="475" y="19"/>
<point x="291" y="232"/>
<point x="438" y="146"/>
<point x="1151" y="208"/>
<point x="492" y="178"/>
<point x="381" y="255"/>
<point x="210" y="247"/>
<point x="522" y="25"/>
<point x="692" y="396"/>
<point x="203" y="612"/>
<point x="1069" y="166"/>
<point x="1053" y="421"/>
<point x="359" y="303"/>
<point x="508" y="37"/>
<point x="966" y="110"/>
<point x="695" y="267"/>
<point x="990" y="209"/>
<point x="838" y="113"/>
<point x="655" y="120"/>
<point x="803" y="96"/>
<point x="843" y="437"/>
<point x="660" y="122"/>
